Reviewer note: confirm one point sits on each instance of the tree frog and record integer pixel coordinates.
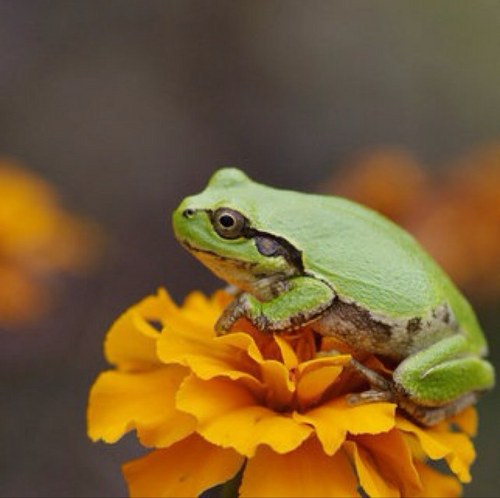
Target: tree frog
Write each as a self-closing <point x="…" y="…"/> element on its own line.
<point x="299" y="259"/>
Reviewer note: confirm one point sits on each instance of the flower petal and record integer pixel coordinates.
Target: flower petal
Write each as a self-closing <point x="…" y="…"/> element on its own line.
<point x="122" y="401"/>
<point x="315" y="376"/>
<point x="312" y="386"/>
<point x="393" y="458"/>
<point x="454" y="447"/>
<point x="334" y="419"/>
<point x="304" y="472"/>
<point x="340" y="360"/>
<point x="245" y="342"/>
<point x="288" y="355"/>
<point x="208" y="357"/>
<point x="229" y="415"/>
<point x="369" y="476"/>
<point x="279" y="387"/>
<point x="131" y="341"/>
<point x="436" y="484"/>
<point x="199" y="312"/>
<point x="185" y="469"/>
<point x="467" y="420"/>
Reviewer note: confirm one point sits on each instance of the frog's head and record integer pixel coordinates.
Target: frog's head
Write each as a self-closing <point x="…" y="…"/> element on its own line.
<point x="219" y="226"/>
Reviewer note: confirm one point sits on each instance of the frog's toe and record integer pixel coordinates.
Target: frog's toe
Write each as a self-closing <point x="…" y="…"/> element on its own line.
<point x="370" y="396"/>
<point x="261" y="323"/>
<point x="374" y="378"/>
<point x="224" y="324"/>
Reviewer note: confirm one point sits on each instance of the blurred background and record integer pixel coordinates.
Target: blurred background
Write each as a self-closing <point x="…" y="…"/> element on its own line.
<point x="111" y="112"/>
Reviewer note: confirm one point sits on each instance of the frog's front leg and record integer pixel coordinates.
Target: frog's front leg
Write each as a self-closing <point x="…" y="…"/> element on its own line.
<point x="302" y="301"/>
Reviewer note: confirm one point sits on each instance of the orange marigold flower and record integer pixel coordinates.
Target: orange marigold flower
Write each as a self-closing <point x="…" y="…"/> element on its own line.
<point x="264" y="407"/>
<point x="37" y="239"/>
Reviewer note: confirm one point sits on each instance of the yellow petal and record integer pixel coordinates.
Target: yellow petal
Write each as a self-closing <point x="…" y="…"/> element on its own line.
<point x="394" y="460"/>
<point x="120" y="402"/>
<point x="314" y="382"/>
<point x="436" y="484"/>
<point x="199" y="312"/>
<point x="185" y="469"/>
<point x="334" y="419"/>
<point x="288" y="355"/>
<point x="467" y="420"/>
<point x="230" y="416"/>
<point x="279" y="387"/>
<point x="454" y="447"/>
<point x="131" y="341"/>
<point x="461" y="455"/>
<point x="415" y="447"/>
<point x="304" y="472"/>
<point x="369" y="476"/>
<point x="243" y="342"/>
<point x="158" y="307"/>
<point x="314" y="377"/>
<point x="340" y="360"/>
<point x="197" y="315"/>
<point x="197" y="303"/>
<point x="208" y="357"/>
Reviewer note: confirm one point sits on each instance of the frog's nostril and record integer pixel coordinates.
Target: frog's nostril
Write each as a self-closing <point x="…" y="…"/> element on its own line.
<point x="188" y="213"/>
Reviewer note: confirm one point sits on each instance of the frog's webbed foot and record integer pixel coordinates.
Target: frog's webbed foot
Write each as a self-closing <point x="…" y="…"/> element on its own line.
<point x="233" y="312"/>
<point x="382" y="389"/>
<point x="244" y="306"/>
<point x="428" y="416"/>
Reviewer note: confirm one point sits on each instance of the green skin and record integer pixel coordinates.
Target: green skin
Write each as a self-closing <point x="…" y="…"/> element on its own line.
<point x="300" y="259"/>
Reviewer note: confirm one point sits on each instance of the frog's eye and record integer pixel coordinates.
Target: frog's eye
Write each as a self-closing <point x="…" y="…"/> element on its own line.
<point x="228" y="223"/>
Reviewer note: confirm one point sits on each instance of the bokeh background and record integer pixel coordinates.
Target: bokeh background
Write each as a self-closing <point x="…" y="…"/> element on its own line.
<point x="125" y="107"/>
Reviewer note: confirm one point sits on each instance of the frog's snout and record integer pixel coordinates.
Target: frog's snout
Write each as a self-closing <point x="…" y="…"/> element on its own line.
<point x="186" y="219"/>
<point x="185" y="211"/>
<point x="188" y="213"/>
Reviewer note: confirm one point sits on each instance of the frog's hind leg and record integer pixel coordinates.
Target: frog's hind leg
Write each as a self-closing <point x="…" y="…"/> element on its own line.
<point x="432" y="384"/>
<point x="441" y="380"/>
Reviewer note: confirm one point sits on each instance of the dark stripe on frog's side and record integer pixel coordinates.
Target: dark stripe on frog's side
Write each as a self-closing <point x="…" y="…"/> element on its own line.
<point x="414" y="325"/>
<point x="394" y="338"/>
<point x="355" y="326"/>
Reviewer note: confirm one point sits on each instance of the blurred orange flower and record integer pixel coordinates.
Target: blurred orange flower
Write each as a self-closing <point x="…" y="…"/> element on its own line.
<point x="455" y="215"/>
<point x="461" y="227"/>
<point x="261" y="407"/>
<point x="37" y="239"/>
<point x="390" y="181"/>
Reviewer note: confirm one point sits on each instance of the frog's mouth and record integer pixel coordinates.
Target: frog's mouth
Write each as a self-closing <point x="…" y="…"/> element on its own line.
<point x="206" y="255"/>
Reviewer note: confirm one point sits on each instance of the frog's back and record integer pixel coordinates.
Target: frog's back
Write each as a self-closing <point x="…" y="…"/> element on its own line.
<point x="374" y="262"/>
<point x="365" y="257"/>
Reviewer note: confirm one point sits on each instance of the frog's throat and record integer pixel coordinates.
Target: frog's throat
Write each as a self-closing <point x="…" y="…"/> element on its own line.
<point x="234" y="271"/>
<point x="242" y="274"/>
